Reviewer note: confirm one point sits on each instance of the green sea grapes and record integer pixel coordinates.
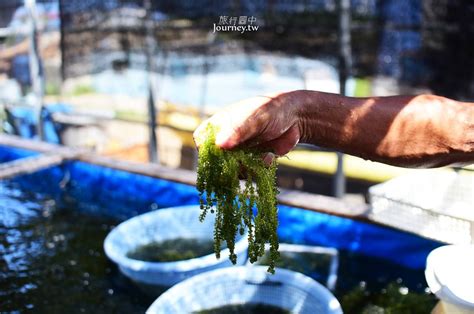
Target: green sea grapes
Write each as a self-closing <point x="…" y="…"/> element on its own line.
<point x="250" y="205"/>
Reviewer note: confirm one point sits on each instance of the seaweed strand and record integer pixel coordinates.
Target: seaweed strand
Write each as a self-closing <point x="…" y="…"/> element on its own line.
<point x="251" y="206"/>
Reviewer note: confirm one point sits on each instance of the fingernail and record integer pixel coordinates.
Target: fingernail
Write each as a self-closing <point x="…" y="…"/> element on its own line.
<point x="268" y="159"/>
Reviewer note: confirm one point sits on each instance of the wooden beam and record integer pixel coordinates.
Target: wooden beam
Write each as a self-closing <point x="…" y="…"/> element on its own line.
<point x="324" y="204"/>
<point x="35" y="163"/>
<point x="18" y="142"/>
<point x="147" y="169"/>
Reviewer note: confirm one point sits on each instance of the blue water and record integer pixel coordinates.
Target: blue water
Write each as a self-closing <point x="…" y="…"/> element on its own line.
<point x="53" y="261"/>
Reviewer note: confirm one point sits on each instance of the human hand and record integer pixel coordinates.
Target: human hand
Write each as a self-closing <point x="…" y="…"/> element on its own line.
<point x="268" y="123"/>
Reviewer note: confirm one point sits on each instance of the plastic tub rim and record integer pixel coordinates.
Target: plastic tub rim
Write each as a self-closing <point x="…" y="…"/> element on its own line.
<point x="443" y="292"/>
<point x="121" y="259"/>
<point x="305" y="283"/>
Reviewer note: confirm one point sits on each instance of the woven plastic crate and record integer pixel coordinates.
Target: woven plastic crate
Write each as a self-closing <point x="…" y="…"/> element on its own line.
<point x="437" y="204"/>
<point x="286" y="289"/>
<point x="161" y="225"/>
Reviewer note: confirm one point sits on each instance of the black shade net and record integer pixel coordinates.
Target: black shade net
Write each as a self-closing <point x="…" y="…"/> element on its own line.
<point x="421" y="43"/>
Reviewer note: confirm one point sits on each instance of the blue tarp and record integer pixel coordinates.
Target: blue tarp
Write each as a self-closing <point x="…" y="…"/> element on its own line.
<point x="123" y="194"/>
<point x="26" y="121"/>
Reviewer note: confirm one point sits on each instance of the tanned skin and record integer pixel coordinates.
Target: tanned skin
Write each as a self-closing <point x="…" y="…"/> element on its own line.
<point x="409" y="131"/>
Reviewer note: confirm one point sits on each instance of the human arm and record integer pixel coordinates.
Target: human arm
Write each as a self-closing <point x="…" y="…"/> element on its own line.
<point x="409" y="131"/>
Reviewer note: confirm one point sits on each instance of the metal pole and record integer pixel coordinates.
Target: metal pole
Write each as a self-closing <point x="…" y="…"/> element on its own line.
<point x="152" y="111"/>
<point x="205" y="73"/>
<point x="345" y="65"/>
<point x="339" y="179"/>
<point x="61" y="43"/>
<point x="35" y="66"/>
<point x="202" y="103"/>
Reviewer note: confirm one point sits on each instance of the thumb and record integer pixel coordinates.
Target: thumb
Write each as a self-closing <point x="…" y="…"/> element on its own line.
<point x="286" y="142"/>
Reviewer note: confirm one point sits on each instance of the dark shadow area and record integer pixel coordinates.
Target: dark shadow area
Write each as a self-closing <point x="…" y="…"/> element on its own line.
<point x="448" y="48"/>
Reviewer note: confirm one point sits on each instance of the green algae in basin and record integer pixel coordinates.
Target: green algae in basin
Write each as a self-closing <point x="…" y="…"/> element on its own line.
<point x="172" y="250"/>
<point x="218" y="184"/>
<point x="245" y="309"/>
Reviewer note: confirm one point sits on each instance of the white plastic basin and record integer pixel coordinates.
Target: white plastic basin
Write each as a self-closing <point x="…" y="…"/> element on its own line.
<point x="167" y="224"/>
<point x="450" y="275"/>
<point x="286" y="289"/>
